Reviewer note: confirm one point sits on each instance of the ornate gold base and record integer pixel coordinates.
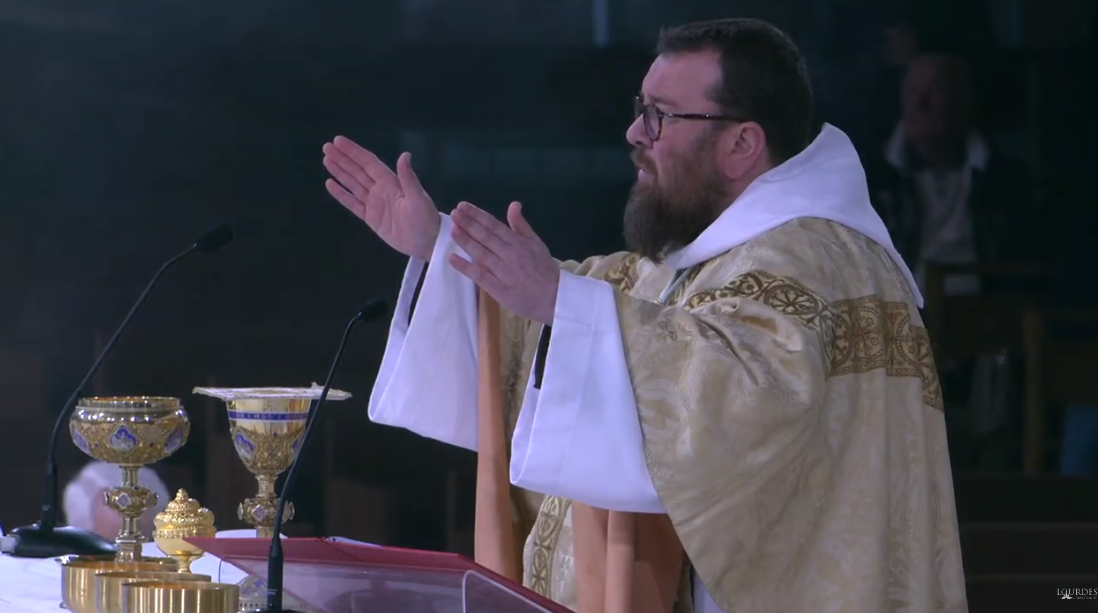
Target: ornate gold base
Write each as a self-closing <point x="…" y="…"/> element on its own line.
<point x="130" y="501"/>
<point x="259" y="510"/>
<point x="185" y="560"/>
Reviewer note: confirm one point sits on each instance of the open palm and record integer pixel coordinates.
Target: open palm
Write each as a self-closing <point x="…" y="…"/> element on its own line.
<point x="394" y="205"/>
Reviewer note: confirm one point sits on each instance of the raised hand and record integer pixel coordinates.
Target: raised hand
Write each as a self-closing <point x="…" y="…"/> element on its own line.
<point x="510" y="263"/>
<point x="394" y="205"/>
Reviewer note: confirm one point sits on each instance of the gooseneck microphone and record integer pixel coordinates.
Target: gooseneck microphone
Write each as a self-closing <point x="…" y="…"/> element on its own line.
<point x="275" y="564"/>
<point x="46" y="539"/>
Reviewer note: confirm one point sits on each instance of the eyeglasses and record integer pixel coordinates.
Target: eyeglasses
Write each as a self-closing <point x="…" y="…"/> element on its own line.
<point x="653" y="117"/>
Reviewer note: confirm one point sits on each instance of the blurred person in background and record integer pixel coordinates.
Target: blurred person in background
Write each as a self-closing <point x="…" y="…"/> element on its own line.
<point x="84" y="499"/>
<point x="945" y="193"/>
<point x="949" y="197"/>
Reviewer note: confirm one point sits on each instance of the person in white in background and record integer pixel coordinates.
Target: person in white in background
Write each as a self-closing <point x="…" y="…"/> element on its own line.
<point x="946" y="193"/>
<point x="83" y="499"/>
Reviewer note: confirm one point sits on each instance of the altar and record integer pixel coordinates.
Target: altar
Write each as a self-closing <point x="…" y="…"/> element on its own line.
<point x="30" y="585"/>
<point x="330" y="575"/>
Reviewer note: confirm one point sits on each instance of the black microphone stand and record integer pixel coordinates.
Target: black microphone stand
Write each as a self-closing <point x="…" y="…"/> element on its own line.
<point x="45" y="539"/>
<point x="275" y="561"/>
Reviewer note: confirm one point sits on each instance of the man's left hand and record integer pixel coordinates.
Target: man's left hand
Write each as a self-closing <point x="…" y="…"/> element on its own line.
<point x="510" y="263"/>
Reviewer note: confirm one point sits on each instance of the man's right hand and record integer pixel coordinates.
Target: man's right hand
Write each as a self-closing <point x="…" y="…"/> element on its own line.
<point x="395" y="206"/>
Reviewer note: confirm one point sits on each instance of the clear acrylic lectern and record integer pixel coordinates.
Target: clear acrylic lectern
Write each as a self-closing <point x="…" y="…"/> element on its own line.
<point x="339" y="577"/>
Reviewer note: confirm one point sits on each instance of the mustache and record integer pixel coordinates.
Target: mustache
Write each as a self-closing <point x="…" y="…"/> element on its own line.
<point x="640" y="161"/>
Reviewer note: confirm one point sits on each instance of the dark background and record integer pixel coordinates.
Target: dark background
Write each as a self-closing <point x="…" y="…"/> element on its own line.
<point x="127" y="128"/>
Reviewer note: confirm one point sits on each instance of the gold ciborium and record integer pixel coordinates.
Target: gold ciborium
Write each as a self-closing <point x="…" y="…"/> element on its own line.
<point x="267" y="425"/>
<point x="130" y="431"/>
<point x="182" y="519"/>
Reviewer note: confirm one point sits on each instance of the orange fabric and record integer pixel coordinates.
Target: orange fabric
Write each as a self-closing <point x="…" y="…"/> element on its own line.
<point x="493" y="536"/>
<point x="625" y="562"/>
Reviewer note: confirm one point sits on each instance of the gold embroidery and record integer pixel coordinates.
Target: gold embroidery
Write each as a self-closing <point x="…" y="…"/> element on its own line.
<point x="624" y="276"/>
<point x="859" y="335"/>
<point x="547" y="530"/>
<point x="782" y="294"/>
<point x="870" y="333"/>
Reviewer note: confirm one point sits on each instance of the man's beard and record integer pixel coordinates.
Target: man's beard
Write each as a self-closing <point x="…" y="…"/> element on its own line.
<point x="662" y="218"/>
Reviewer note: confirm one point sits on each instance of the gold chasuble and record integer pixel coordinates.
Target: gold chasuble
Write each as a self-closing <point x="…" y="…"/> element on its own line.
<point x="753" y="426"/>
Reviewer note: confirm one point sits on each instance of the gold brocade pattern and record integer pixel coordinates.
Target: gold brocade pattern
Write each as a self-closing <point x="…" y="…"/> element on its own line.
<point x="266" y="452"/>
<point x="785" y="295"/>
<point x="859" y="335"/>
<point x="624" y="275"/>
<point x="869" y="334"/>
<point x="544" y="540"/>
<point x="787" y="427"/>
<point x="791" y="427"/>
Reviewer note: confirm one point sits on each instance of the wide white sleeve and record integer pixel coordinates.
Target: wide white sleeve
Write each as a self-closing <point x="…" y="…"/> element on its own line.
<point x="579" y="436"/>
<point x="428" y="377"/>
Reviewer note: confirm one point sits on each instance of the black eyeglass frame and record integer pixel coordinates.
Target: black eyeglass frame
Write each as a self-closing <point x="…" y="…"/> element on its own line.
<point x="648" y="111"/>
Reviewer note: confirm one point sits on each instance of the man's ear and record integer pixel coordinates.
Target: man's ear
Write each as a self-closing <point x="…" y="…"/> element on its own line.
<point x="742" y="147"/>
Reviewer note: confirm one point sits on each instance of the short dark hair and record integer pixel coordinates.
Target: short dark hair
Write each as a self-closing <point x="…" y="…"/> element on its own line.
<point x="763" y="77"/>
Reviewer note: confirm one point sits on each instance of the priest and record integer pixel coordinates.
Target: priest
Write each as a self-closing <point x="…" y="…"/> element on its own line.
<point x="739" y="414"/>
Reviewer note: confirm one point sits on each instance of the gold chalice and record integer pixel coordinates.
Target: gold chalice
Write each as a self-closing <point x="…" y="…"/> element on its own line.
<point x="130" y="431"/>
<point x="182" y="519"/>
<point x="180" y="597"/>
<point x="266" y="426"/>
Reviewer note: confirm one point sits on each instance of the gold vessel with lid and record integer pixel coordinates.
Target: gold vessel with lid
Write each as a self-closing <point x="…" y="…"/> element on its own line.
<point x="183" y="518"/>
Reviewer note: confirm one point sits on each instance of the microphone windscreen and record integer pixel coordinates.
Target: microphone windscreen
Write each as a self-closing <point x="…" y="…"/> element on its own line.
<point x="214" y="238"/>
<point x="372" y="310"/>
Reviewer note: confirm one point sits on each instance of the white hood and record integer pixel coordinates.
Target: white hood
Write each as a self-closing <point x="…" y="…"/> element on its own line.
<point x="824" y="181"/>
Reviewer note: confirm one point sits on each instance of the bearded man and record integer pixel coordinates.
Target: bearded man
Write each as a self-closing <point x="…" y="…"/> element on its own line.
<point x="749" y="388"/>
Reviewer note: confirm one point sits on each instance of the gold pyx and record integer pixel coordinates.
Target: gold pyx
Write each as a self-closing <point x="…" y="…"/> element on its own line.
<point x="183" y="518"/>
<point x="108" y="585"/>
<point x="180" y="597"/>
<point x="129" y="431"/>
<point x="78" y="577"/>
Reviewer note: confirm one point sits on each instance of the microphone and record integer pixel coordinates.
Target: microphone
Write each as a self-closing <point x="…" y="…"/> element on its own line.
<point x="46" y="539"/>
<point x="275" y="564"/>
<point x="214" y="239"/>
